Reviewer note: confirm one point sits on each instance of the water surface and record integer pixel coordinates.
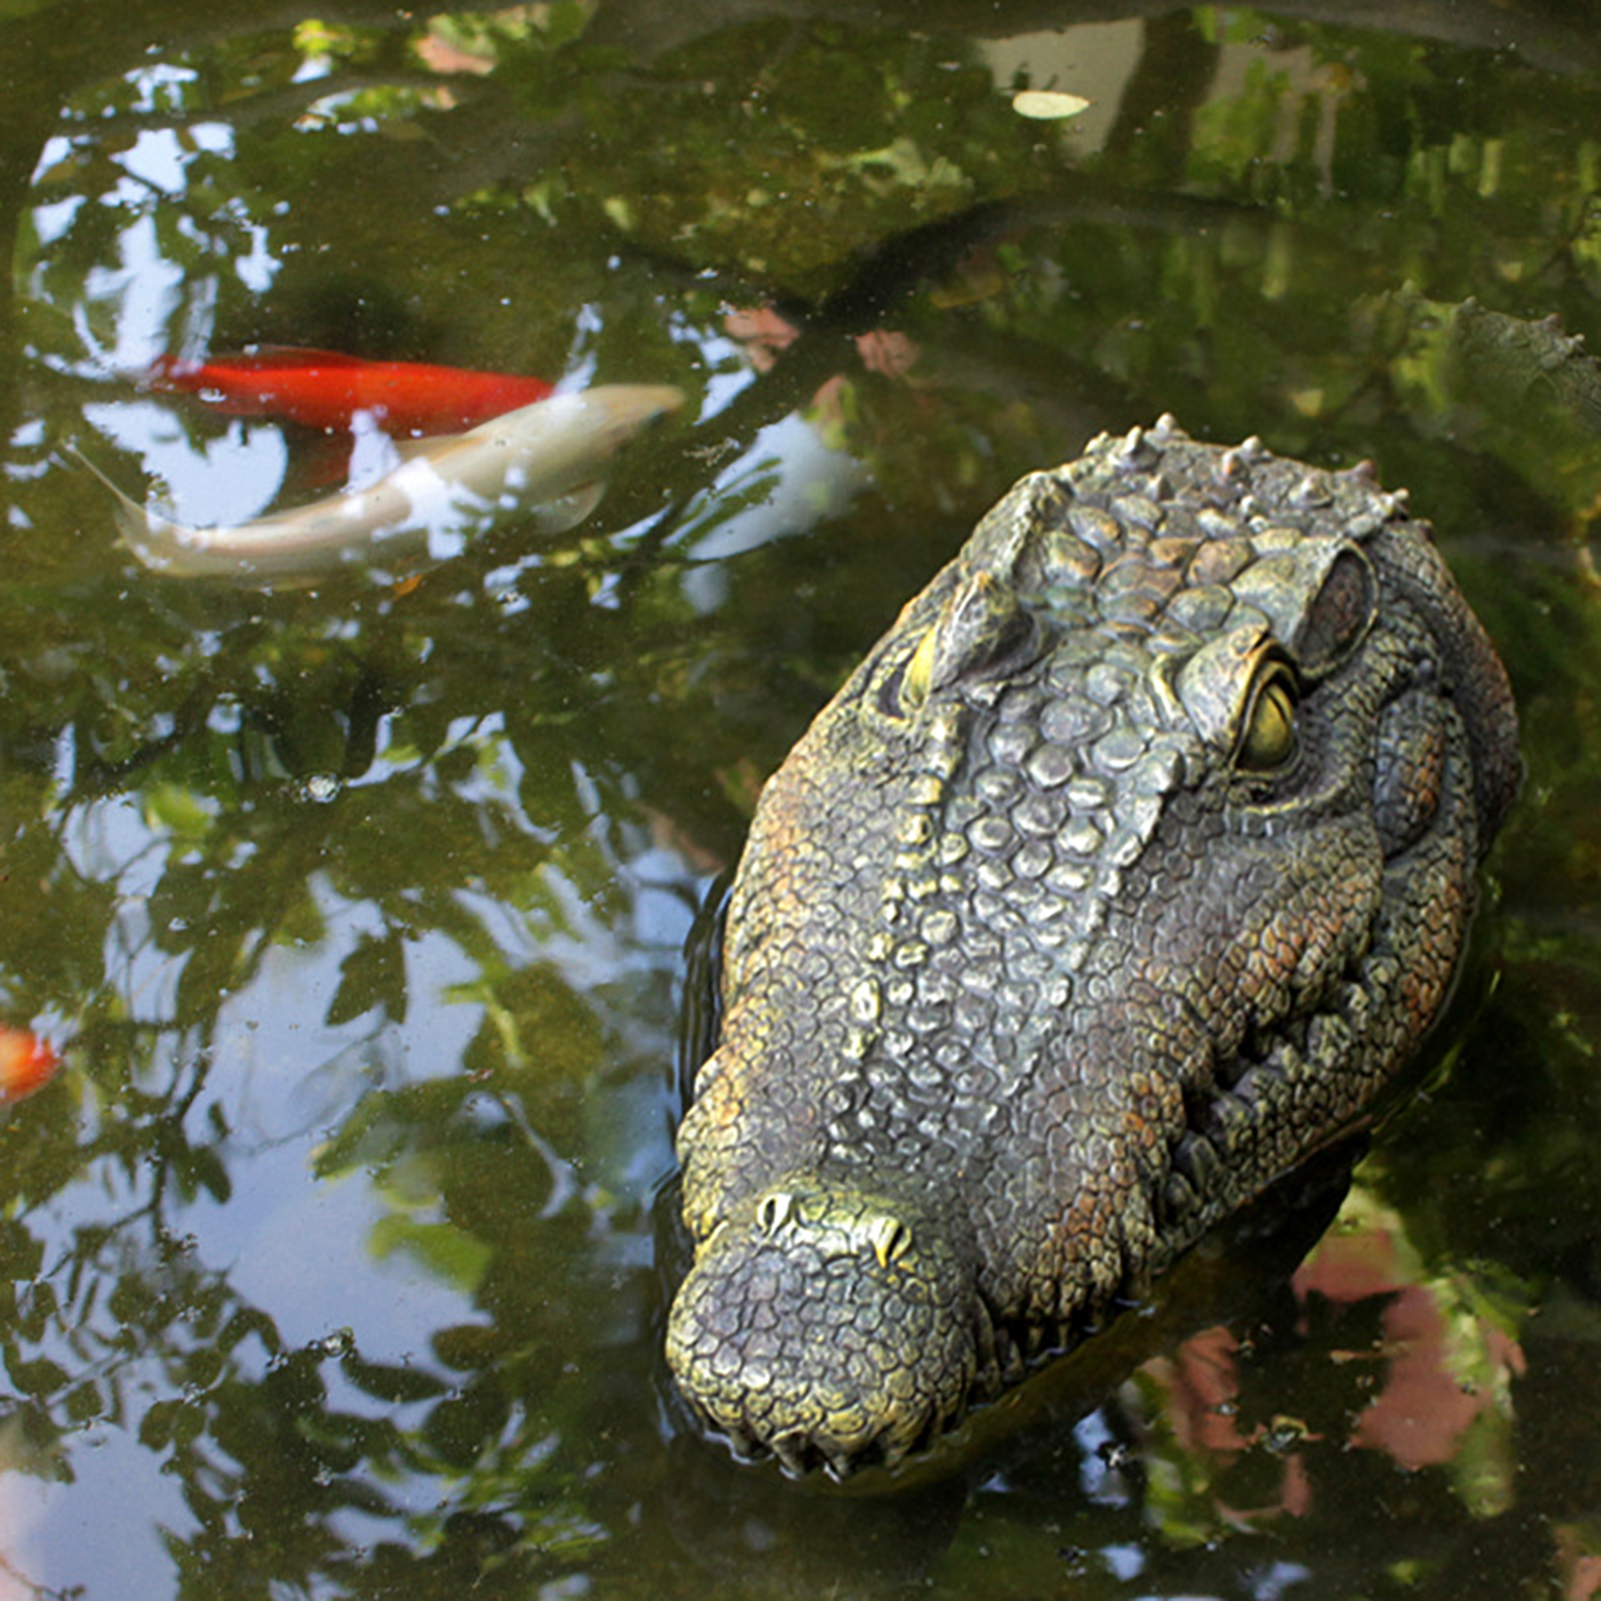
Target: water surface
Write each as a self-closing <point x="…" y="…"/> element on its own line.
<point x="358" y="909"/>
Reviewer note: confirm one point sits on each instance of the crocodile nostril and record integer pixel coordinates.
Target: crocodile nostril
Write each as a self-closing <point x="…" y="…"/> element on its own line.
<point x="775" y="1211"/>
<point x="890" y="1238"/>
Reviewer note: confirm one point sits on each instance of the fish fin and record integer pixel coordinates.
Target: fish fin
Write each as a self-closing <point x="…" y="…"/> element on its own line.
<point x="154" y="540"/>
<point x="408" y="449"/>
<point x="188" y="372"/>
<point x="166" y="372"/>
<point x="281" y="356"/>
<point x="132" y="518"/>
<point x="557" y="516"/>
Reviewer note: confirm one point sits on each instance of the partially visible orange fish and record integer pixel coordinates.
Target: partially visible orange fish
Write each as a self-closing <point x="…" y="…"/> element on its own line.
<point x="27" y="1063"/>
<point x="325" y="389"/>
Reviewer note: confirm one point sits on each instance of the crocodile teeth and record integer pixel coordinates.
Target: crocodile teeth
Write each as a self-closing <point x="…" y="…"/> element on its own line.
<point x="1196" y="1159"/>
<point x="743" y="1443"/>
<point x="1180" y="1195"/>
<point x="793" y="1453"/>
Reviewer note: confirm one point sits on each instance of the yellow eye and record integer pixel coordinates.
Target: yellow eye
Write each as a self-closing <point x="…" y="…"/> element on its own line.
<point x="1269" y="737"/>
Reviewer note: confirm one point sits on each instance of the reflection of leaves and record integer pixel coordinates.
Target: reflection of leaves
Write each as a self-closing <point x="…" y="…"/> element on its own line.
<point x="532" y="1022"/>
<point x="1402" y="1361"/>
<point x="458" y="1428"/>
<point x="366" y="777"/>
<point x="401" y="1386"/>
<point x="38" y="1377"/>
<point x="372" y="975"/>
<point x="442" y="1248"/>
<point x="198" y="1168"/>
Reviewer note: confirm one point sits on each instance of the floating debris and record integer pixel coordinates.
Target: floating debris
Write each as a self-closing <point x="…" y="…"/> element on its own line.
<point x="1048" y="105"/>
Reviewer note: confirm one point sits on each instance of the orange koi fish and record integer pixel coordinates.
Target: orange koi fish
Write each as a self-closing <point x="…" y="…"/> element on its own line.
<point x="27" y="1063"/>
<point x="324" y="389"/>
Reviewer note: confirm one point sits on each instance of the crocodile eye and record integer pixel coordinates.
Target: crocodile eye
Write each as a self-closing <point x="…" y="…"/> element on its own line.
<point x="1268" y="739"/>
<point x="890" y="1239"/>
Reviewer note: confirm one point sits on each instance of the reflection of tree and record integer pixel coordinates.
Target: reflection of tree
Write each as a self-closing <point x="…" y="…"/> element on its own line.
<point x="1551" y="34"/>
<point x="278" y="1449"/>
<point x="284" y="1454"/>
<point x="1422" y="1370"/>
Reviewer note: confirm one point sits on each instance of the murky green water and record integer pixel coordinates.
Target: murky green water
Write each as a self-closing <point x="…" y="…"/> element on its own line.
<point x="358" y="909"/>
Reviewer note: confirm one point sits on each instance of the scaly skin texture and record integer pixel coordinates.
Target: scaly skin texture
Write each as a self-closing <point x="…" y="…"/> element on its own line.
<point x="1124" y="872"/>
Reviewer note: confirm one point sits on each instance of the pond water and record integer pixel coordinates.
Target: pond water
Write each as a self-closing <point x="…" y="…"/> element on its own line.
<point x="356" y="910"/>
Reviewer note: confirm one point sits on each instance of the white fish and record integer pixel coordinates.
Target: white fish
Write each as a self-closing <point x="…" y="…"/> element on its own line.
<point x="548" y="455"/>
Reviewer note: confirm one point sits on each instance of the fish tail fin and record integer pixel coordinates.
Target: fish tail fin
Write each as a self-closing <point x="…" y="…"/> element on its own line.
<point x="567" y="511"/>
<point x="135" y="525"/>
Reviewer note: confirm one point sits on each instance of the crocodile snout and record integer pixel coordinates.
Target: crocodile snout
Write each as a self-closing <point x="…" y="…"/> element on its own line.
<point x="825" y="1325"/>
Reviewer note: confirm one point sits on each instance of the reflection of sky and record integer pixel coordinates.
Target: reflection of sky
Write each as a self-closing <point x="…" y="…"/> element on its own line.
<point x="142" y="305"/>
<point x="298" y="1246"/>
<point x="143" y="292"/>
<point x="812" y="481"/>
<point x="808" y="480"/>
<point x="727" y="371"/>
<point x="228" y="480"/>
<point x="52" y="221"/>
<point x="159" y="159"/>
